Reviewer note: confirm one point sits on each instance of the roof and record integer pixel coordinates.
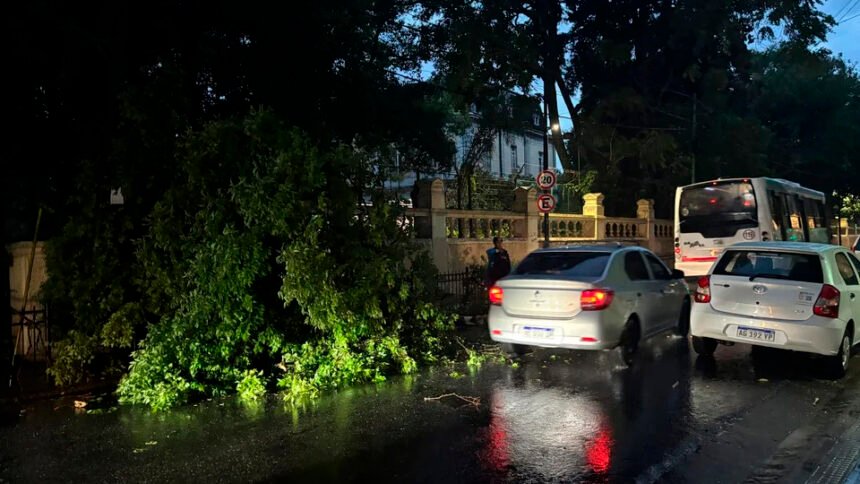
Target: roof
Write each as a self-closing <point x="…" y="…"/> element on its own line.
<point x="786" y="246"/>
<point x="588" y="248"/>
<point x="773" y="182"/>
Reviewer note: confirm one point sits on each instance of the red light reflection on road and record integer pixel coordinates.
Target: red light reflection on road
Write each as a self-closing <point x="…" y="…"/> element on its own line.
<point x="598" y="451"/>
<point x="496" y="455"/>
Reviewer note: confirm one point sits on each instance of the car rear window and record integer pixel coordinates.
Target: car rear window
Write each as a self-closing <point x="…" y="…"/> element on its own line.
<point x="771" y="264"/>
<point x="579" y="264"/>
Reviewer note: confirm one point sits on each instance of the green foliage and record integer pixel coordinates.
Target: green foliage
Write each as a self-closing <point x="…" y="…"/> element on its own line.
<point x="849" y="207"/>
<point x="275" y="265"/>
<point x="120" y="328"/>
<point x="251" y="386"/>
<point x="72" y="358"/>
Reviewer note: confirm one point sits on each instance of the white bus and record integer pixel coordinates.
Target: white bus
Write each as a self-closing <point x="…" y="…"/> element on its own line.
<point x="715" y="214"/>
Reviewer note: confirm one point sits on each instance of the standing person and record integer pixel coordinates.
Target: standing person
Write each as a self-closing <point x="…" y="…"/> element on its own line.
<point x="498" y="262"/>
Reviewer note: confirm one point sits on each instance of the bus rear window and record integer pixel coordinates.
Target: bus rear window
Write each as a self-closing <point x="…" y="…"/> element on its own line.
<point x="716" y="199"/>
<point x="718" y="209"/>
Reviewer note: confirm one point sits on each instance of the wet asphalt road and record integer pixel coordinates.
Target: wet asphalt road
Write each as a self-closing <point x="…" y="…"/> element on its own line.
<point x="558" y="417"/>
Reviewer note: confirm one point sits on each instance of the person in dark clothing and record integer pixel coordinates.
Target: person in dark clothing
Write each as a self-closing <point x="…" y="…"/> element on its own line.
<point x="498" y="262"/>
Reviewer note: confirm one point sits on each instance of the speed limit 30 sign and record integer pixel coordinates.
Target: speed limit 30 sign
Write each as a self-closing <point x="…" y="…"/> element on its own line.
<point x="546" y="179"/>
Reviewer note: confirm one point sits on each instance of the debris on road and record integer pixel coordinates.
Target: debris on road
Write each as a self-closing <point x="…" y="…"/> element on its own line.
<point x="816" y="401"/>
<point x="473" y="401"/>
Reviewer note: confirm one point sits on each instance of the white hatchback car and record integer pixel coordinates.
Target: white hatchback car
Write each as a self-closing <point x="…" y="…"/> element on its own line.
<point x="588" y="298"/>
<point x="795" y="296"/>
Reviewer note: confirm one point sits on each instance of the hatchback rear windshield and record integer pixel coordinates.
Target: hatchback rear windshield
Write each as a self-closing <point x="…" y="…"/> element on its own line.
<point x="770" y="264"/>
<point x="577" y="264"/>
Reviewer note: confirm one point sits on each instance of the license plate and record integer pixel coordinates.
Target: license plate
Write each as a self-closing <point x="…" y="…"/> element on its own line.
<point x="756" y="334"/>
<point x="537" y="332"/>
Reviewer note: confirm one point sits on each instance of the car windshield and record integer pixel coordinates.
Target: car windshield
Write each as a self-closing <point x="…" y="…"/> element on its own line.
<point x="577" y="264"/>
<point x="770" y="264"/>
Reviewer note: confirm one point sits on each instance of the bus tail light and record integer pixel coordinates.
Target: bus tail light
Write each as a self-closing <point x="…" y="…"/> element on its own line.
<point x="703" y="290"/>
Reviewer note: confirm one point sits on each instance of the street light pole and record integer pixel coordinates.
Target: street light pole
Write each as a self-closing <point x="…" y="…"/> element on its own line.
<point x="545" y="167"/>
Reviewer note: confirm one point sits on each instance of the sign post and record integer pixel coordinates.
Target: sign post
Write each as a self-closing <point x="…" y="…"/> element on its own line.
<point x="546" y="179"/>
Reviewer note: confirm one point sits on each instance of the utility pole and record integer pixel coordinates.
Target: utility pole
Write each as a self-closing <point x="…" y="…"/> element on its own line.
<point x="693" y="142"/>
<point x="545" y="167"/>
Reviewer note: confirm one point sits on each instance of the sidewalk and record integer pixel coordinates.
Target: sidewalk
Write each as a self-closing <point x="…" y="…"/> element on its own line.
<point x="31" y="383"/>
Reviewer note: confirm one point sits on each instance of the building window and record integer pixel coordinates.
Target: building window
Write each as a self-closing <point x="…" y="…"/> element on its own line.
<point x="515" y="163"/>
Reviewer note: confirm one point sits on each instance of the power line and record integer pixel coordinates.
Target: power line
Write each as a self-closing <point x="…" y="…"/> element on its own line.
<point x="839" y="12"/>
<point x="849" y="11"/>
<point x="850" y="18"/>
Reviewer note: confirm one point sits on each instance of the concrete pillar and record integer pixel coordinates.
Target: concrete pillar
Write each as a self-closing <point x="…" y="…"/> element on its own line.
<point x="528" y="227"/>
<point x="593" y="207"/>
<point x="645" y="209"/>
<point x="645" y="213"/>
<point x="438" y="226"/>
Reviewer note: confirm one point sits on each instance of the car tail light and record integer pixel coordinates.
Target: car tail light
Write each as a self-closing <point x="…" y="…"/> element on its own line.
<point x="595" y="299"/>
<point x="827" y="304"/>
<point x="703" y="290"/>
<point x="496" y="294"/>
<point x="588" y="339"/>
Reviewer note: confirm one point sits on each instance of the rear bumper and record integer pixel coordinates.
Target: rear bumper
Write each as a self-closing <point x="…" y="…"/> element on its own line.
<point x="815" y="335"/>
<point x="694" y="268"/>
<point x="604" y="326"/>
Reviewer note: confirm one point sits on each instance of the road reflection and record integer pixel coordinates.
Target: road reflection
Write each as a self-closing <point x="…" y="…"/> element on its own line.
<point x="582" y="422"/>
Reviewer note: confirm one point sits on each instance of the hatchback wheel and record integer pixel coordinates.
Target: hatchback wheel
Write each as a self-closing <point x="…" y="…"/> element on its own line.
<point x="704" y="346"/>
<point x="515" y="349"/>
<point x="684" y="319"/>
<point x="839" y="362"/>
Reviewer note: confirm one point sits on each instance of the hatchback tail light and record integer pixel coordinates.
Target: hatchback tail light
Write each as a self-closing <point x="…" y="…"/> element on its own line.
<point x="827" y="304"/>
<point x="496" y="295"/>
<point x="595" y="299"/>
<point x="703" y="290"/>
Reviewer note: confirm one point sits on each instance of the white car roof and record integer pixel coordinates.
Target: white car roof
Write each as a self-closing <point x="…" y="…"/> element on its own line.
<point x="609" y="248"/>
<point x="808" y="247"/>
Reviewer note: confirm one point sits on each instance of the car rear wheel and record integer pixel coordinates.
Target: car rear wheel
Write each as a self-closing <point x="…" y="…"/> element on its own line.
<point x="839" y="362"/>
<point x="629" y="344"/>
<point x="684" y="319"/>
<point x="704" y="346"/>
<point x="515" y="349"/>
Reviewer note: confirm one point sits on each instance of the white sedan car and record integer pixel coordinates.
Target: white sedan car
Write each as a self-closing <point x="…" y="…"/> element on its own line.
<point x="588" y="298"/>
<point x="795" y="296"/>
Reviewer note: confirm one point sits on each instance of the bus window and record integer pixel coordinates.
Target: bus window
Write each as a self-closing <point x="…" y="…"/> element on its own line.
<point x="719" y="209"/>
<point x="778" y="214"/>
<point x="815" y="220"/>
<point x="794" y="231"/>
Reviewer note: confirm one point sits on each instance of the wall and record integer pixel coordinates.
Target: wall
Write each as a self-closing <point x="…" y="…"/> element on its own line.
<point x="457" y="239"/>
<point x="20" y="256"/>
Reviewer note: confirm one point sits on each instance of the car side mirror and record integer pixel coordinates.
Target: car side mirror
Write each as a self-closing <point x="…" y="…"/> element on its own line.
<point x="676" y="274"/>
